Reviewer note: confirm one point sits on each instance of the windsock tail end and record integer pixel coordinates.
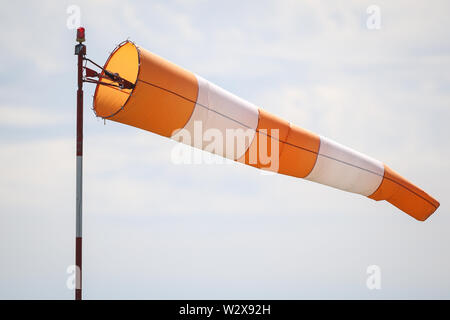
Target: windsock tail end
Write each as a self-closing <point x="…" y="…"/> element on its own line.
<point x="404" y="195"/>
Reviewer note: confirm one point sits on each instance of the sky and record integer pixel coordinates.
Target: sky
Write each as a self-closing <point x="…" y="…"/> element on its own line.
<point x="153" y="229"/>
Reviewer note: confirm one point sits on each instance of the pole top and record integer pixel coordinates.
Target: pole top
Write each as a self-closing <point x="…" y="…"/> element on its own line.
<point x="80" y="48"/>
<point x="81" y="35"/>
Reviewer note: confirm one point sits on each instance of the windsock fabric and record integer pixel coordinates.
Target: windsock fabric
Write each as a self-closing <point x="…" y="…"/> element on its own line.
<point x="175" y="103"/>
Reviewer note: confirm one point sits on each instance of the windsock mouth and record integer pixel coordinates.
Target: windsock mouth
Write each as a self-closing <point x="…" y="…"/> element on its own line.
<point x="124" y="60"/>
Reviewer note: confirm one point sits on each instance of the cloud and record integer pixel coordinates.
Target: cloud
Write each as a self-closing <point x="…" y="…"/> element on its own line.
<point x="19" y="117"/>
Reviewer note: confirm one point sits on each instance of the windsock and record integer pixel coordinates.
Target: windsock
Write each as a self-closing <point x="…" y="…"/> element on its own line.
<point x="173" y="102"/>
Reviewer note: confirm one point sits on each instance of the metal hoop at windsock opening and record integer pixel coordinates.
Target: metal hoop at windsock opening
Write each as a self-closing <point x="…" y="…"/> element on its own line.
<point x="167" y="98"/>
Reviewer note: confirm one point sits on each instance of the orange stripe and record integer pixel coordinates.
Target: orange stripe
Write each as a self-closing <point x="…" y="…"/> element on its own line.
<point x="405" y="195"/>
<point x="297" y="147"/>
<point x="299" y="152"/>
<point x="149" y="107"/>
<point x="259" y="153"/>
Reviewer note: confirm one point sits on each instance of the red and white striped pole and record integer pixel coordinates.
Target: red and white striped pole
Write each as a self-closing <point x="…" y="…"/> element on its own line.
<point x="80" y="51"/>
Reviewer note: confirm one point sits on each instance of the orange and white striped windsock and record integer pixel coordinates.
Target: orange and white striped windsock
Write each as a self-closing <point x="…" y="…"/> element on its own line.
<point x="173" y="102"/>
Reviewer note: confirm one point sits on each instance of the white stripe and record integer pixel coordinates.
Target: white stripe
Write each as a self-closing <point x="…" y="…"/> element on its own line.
<point x="219" y="113"/>
<point x="79" y="196"/>
<point x="346" y="169"/>
<point x="200" y="114"/>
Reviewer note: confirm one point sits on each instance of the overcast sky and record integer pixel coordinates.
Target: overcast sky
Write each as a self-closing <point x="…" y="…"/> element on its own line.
<point x="156" y="230"/>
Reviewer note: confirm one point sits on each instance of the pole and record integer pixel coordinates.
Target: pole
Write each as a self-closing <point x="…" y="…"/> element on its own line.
<point x="80" y="51"/>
